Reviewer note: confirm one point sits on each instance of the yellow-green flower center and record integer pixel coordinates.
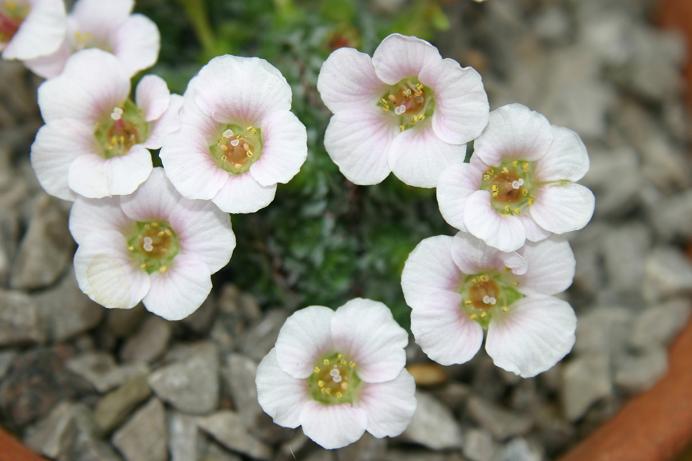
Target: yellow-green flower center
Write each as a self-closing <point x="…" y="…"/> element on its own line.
<point x="334" y="380"/>
<point x="152" y="245"/>
<point x="485" y="294"/>
<point x="119" y="130"/>
<point x="410" y="101"/>
<point x="12" y="15"/>
<point x="511" y="186"/>
<point x="237" y="148"/>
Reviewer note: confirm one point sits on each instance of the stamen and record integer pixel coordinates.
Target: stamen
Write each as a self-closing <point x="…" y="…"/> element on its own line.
<point x="228" y="134"/>
<point x="148" y="244"/>
<point x="235" y="142"/>
<point x="399" y="110"/>
<point x="117" y="113"/>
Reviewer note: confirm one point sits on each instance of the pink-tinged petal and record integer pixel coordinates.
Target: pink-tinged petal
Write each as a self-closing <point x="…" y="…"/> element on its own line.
<point x="347" y="81"/>
<point x="93" y="176"/>
<point x="93" y="217"/>
<point x="473" y="256"/>
<point x="430" y="273"/>
<point x="91" y="85"/>
<point x="389" y="406"/>
<point x="534" y="335"/>
<point x="359" y="142"/>
<point x="304" y="338"/>
<point x="456" y="184"/>
<point x="136" y="43"/>
<point x="514" y="132"/>
<point x="418" y="157"/>
<point x="279" y="394"/>
<point x="401" y="56"/>
<point x="366" y="331"/>
<point x="461" y="104"/>
<point x="563" y="208"/>
<point x="169" y="123"/>
<point x="50" y="65"/>
<point x="106" y="274"/>
<point x="534" y="232"/>
<point x="284" y="149"/>
<point x="242" y="194"/>
<point x="152" y="96"/>
<point x="566" y="159"/>
<point x="333" y="426"/>
<point x="445" y="333"/>
<point x="238" y="89"/>
<point x="188" y="163"/>
<point x="100" y="16"/>
<point x="504" y="232"/>
<point x="551" y="267"/>
<point x="56" y="146"/>
<point x="192" y="116"/>
<point x="155" y="199"/>
<point x="41" y="33"/>
<point x="180" y="290"/>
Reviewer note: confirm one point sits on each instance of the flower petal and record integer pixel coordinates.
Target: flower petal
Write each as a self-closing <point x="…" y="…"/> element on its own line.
<point x="418" y="157"/>
<point x="89" y="217"/>
<point x="563" y="208"/>
<point x="136" y="43"/>
<point x="279" y="394"/>
<point x="461" y="104"/>
<point x="152" y="96"/>
<point x="284" y="149"/>
<point x="180" y="290"/>
<point x="550" y="266"/>
<point x="514" y="132"/>
<point x="473" y="256"/>
<point x="456" y="184"/>
<point x="390" y="405"/>
<point x="534" y="232"/>
<point x="347" y="81"/>
<point x="366" y="331"/>
<point x="169" y="123"/>
<point x="566" y="159"/>
<point x="400" y="56"/>
<point x="504" y="232"/>
<point x="358" y="142"/>
<point x="97" y="15"/>
<point x="93" y="176"/>
<point x="333" y="426"/>
<point x="305" y="336"/>
<point x="50" y="65"/>
<point x="155" y="199"/>
<point x="242" y="194"/>
<point x="41" y="33"/>
<point x="533" y="336"/>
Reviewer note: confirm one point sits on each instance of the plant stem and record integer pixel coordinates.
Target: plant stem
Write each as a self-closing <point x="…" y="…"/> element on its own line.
<point x="196" y="11"/>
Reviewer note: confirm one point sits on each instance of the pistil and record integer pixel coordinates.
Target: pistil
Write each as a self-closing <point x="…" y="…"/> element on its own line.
<point x="410" y="101"/>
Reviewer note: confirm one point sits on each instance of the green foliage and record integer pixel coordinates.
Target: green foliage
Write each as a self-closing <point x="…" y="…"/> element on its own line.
<point x="323" y="240"/>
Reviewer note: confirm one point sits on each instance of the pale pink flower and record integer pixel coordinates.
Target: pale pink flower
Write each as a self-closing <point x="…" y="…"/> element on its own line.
<point x="239" y="138"/>
<point x="95" y="141"/>
<point x="153" y="246"/>
<point x="458" y="287"/>
<point x="31" y="28"/>
<point x="521" y="182"/>
<point x="338" y="374"/>
<point x="405" y="110"/>
<point x="107" y="25"/>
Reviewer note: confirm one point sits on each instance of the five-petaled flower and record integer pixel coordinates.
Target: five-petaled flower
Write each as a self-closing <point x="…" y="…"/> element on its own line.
<point x="96" y="139"/>
<point x="520" y="184"/>
<point x="338" y="374"/>
<point x="107" y="25"/>
<point x="239" y="138"/>
<point x="458" y="286"/>
<point x="30" y="29"/>
<point x="153" y="246"/>
<point x="405" y="110"/>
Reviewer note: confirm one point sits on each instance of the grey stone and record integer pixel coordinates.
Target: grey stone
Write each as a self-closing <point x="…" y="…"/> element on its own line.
<point x="227" y="428"/>
<point x="262" y="337"/>
<point x="673" y="217"/>
<point x="102" y="372"/>
<point x="666" y="166"/>
<point x="624" y="249"/>
<point x="433" y="425"/>
<point x="202" y="319"/>
<point x="586" y="380"/>
<point x="614" y="197"/>
<point x="145" y="436"/>
<point x="124" y="322"/>
<point x="46" y="249"/>
<point x="668" y="274"/>
<point x="500" y="422"/>
<point x="183" y="441"/>
<point x="639" y="372"/>
<point x="6" y="359"/>
<point x="216" y="453"/>
<point x="518" y="450"/>
<point x="239" y="374"/>
<point x="367" y="448"/>
<point x="551" y="24"/>
<point x="114" y="407"/>
<point x="190" y="384"/>
<point x="409" y="454"/>
<point x="20" y="322"/>
<point x="149" y="343"/>
<point x="659" y="324"/>
<point x="54" y="435"/>
<point x="320" y="455"/>
<point x="478" y="445"/>
<point x="603" y="331"/>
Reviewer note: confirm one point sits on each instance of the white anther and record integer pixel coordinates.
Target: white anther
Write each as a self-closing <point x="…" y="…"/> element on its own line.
<point x="486" y="299"/>
<point x="492" y="300"/>
<point x="148" y="244"/>
<point x="336" y="375"/>
<point x="398" y="110"/>
<point x="117" y="113"/>
<point x="235" y="142"/>
<point x="228" y="134"/>
<point x="516" y="184"/>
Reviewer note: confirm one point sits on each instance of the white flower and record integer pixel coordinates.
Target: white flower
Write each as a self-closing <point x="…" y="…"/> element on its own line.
<point x="153" y="246"/>
<point x="406" y="110"/>
<point x="107" y="25"/>
<point x="95" y="142"/>
<point x="458" y="286"/>
<point x="520" y="184"/>
<point x="338" y="374"/>
<point x="31" y="28"/>
<point x="239" y="138"/>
